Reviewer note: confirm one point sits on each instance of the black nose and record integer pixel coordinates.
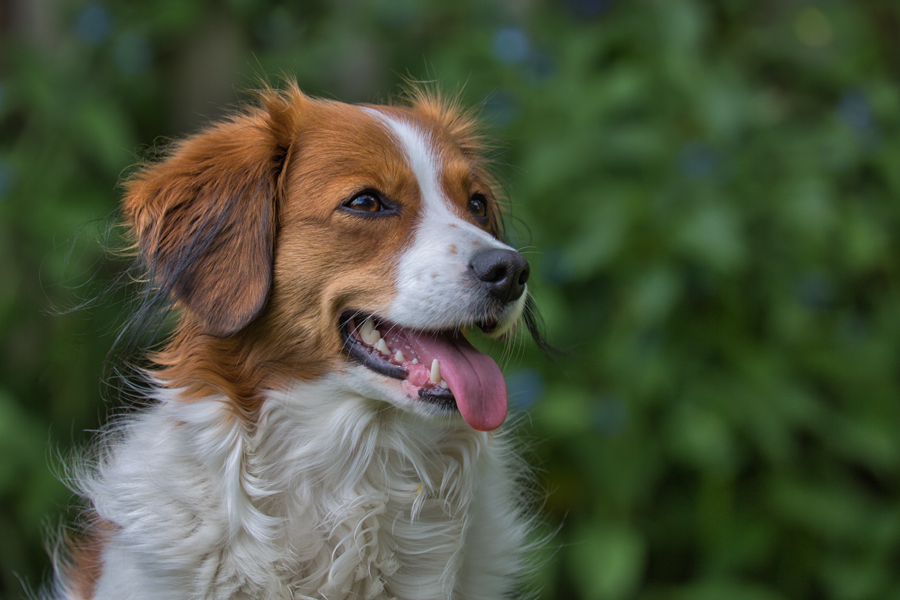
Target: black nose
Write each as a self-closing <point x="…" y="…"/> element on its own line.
<point x="504" y="272"/>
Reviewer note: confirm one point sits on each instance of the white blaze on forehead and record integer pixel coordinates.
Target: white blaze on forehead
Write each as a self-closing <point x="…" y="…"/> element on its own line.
<point x="421" y="157"/>
<point x="424" y="160"/>
<point x="434" y="288"/>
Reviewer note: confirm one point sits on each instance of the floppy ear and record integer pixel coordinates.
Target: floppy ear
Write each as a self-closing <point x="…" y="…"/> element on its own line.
<point x="205" y="217"/>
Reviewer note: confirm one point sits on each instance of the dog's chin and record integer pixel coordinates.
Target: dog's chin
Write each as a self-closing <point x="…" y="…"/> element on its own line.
<point x="429" y="372"/>
<point x="391" y="396"/>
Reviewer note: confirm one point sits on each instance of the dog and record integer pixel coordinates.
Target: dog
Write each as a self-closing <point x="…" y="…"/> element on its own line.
<point x="317" y="424"/>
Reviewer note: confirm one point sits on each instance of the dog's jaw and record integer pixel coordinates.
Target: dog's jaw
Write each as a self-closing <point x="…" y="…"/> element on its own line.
<point x="440" y="370"/>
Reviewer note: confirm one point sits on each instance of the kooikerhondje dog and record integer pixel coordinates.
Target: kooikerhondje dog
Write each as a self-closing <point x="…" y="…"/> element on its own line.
<point x="319" y="427"/>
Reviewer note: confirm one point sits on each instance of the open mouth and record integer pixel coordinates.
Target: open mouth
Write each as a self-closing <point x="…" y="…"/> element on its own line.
<point x="438" y="367"/>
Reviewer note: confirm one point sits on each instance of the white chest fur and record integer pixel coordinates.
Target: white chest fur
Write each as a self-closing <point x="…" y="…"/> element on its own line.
<point x="328" y="495"/>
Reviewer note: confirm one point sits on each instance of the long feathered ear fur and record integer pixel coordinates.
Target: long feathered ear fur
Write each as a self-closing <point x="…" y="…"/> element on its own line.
<point x="204" y="219"/>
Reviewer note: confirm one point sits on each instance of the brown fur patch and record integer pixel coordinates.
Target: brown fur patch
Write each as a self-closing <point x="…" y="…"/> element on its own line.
<point x="84" y="563"/>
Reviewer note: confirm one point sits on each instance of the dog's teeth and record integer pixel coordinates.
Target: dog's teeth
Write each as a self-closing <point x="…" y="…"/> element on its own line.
<point x="382" y="347"/>
<point x="368" y="333"/>
<point x="444" y="384"/>
<point x="415" y="361"/>
<point x="435" y="371"/>
<point x="366" y="328"/>
<point x="371" y="336"/>
<point x="399" y="357"/>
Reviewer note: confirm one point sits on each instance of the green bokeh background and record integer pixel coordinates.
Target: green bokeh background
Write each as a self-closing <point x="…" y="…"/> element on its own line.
<point x="707" y="191"/>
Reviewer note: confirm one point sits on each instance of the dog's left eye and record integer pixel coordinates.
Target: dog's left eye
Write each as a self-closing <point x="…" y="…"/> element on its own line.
<point x="370" y="203"/>
<point x="478" y="206"/>
<point x="365" y="202"/>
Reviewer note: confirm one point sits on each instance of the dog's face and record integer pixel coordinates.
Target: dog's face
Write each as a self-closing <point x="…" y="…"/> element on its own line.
<point x="310" y="237"/>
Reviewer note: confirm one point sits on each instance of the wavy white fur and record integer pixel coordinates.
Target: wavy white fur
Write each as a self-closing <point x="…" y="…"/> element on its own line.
<point x="328" y="495"/>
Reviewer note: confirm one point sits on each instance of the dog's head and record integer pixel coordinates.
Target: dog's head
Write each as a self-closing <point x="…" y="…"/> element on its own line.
<point x="308" y="236"/>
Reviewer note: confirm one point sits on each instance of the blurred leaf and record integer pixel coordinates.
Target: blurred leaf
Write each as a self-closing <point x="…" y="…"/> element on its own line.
<point x="712" y="234"/>
<point x="608" y="562"/>
<point x="735" y="590"/>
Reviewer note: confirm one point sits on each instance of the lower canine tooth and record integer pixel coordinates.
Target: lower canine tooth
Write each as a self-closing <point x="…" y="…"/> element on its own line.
<point x="444" y="384"/>
<point x="415" y="361"/>
<point x="382" y="347"/>
<point x="435" y="371"/>
<point x="399" y="357"/>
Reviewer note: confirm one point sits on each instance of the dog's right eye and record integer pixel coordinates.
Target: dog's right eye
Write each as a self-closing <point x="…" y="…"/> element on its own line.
<point x="367" y="202"/>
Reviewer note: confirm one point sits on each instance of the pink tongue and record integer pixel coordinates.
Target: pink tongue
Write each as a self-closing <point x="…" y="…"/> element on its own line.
<point x="473" y="377"/>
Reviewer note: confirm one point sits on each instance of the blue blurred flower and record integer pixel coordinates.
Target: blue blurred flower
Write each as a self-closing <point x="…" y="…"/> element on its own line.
<point x="590" y="8"/>
<point x="854" y="110"/>
<point x="93" y="24"/>
<point x="511" y="45"/>
<point x="524" y="388"/>
<point x="697" y="160"/>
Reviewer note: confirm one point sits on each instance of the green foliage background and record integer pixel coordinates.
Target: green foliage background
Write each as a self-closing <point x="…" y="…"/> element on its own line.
<point x="710" y="193"/>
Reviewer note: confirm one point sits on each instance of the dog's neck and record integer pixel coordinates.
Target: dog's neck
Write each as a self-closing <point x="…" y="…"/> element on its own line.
<point x="341" y="494"/>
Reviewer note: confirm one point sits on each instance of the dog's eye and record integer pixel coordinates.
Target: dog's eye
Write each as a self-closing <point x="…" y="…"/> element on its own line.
<point x="478" y="206"/>
<point x="368" y="202"/>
